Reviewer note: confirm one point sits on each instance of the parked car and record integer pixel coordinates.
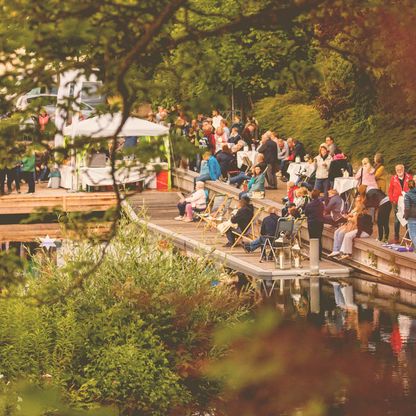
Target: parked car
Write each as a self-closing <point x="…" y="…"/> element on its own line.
<point x="49" y="103"/>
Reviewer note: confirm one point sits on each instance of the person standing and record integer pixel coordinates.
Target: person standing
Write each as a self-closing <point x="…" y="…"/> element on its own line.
<point x="3" y="173"/>
<point x="248" y="134"/>
<point x="238" y="124"/>
<point x="377" y="199"/>
<point x="314" y="212"/>
<point x="331" y="145"/>
<point x="399" y="183"/>
<point x="216" y="119"/>
<point x="269" y="149"/>
<point x="28" y="171"/>
<point x="322" y="163"/>
<point x="410" y="210"/>
<point x="380" y="173"/>
<point x="366" y="175"/>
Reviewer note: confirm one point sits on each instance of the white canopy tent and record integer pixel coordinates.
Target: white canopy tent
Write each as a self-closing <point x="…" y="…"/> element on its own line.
<point x="106" y="126"/>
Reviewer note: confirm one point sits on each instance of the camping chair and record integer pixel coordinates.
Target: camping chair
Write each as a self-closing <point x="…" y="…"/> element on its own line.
<point x="250" y="226"/>
<point x="284" y="227"/>
<point x="214" y="208"/>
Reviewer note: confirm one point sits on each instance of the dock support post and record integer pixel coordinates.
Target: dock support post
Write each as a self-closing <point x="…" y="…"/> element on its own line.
<point x="314" y="256"/>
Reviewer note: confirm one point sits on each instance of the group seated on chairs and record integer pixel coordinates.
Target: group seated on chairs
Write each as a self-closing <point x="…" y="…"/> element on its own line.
<point x="195" y="203"/>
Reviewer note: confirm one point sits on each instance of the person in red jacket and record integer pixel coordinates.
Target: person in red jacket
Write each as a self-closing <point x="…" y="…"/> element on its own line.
<point x="398" y="183"/>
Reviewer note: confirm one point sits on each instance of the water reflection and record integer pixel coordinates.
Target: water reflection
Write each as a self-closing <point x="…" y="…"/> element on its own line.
<point x="381" y="327"/>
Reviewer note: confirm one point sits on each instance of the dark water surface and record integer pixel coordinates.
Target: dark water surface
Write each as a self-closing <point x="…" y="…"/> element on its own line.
<point x="379" y="319"/>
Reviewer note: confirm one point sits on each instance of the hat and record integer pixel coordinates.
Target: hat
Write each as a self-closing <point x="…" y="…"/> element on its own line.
<point x="323" y="145"/>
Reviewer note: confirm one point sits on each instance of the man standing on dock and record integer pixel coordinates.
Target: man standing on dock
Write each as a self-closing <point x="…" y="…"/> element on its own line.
<point x="28" y="171"/>
<point x="399" y="183"/>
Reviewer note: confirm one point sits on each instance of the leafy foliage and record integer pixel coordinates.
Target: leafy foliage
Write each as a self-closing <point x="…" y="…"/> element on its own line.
<point x="135" y="335"/>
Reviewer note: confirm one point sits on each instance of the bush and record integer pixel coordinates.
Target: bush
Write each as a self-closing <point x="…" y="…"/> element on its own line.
<point x="135" y="333"/>
<point x="289" y="115"/>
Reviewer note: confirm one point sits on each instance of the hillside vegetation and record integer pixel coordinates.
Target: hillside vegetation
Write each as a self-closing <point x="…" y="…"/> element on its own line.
<point x="289" y="115"/>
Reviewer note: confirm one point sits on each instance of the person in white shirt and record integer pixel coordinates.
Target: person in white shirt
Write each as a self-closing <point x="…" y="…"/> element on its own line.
<point x="197" y="202"/>
<point x="216" y="119"/>
<point x="224" y="126"/>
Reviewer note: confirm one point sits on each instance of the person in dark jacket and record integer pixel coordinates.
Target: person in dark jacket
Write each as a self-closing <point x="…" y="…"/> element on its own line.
<point x="338" y="166"/>
<point x="377" y="199"/>
<point x="268" y="229"/>
<point x="248" y="134"/>
<point x="334" y="209"/>
<point x="227" y="160"/>
<point x="269" y="149"/>
<point x="410" y="210"/>
<point x="314" y="212"/>
<point x="242" y="218"/>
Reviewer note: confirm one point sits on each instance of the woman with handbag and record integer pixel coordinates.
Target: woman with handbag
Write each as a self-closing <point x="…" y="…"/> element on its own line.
<point x="366" y="175"/>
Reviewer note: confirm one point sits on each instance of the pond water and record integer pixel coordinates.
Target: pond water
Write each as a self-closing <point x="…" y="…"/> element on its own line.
<point x="379" y="319"/>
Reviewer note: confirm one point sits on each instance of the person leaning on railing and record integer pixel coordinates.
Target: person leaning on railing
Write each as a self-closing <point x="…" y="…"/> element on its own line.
<point x="410" y="210"/>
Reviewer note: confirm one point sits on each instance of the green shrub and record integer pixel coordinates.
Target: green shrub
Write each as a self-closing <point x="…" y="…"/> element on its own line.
<point x="135" y="333"/>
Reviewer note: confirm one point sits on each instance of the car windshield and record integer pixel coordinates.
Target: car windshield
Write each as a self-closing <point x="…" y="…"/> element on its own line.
<point x="43" y="101"/>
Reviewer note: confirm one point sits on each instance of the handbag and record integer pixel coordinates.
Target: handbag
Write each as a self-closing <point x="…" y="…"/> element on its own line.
<point x="223" y="227"/>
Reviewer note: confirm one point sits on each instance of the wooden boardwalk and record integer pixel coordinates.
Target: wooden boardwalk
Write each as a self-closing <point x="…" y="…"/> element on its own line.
<point x="161" y="210"/>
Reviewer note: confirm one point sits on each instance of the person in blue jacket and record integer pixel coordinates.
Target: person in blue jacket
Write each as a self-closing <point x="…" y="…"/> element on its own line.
<point x="210" y="168"/>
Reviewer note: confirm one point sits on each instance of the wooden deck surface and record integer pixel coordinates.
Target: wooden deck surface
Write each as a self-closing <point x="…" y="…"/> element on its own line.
<point x="161" y="210"/>
<point x="46" y="198"/>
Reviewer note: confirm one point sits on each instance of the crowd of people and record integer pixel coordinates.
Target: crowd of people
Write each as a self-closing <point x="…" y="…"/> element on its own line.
<point x="313" y="194"/>
<point x="31" y="168"/>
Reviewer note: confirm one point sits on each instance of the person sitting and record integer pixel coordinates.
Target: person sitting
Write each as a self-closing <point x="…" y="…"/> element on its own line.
<point x="306" y="177"/>
<point x="210" y="168"/>
<point x="334" y="209"/>
<point x="256" y="183"/>
<point x="220" y="138"/>
<point x="242" y="219"/>
<point x="267" y="230"/>
<point x="301" y="198"/>
<point x="290" y="193"/>
<point x="227" y="160"/>
<point x="364" y="230"/>
<point x="243" y="176"/>
<point x="234" y="136"/>
<point x="196" y="202"/>
<point x="350" y="227"/>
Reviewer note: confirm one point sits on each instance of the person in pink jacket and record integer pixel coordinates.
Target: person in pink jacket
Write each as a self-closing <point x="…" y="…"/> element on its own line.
<point x="366" y="175"/>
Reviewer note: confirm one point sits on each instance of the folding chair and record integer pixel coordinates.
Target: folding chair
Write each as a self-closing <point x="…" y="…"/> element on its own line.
<point x="406" y="240"/>
<point x="215" y="206"/>
<point x="284" y="227"/>
<point x="250" y="226"/>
